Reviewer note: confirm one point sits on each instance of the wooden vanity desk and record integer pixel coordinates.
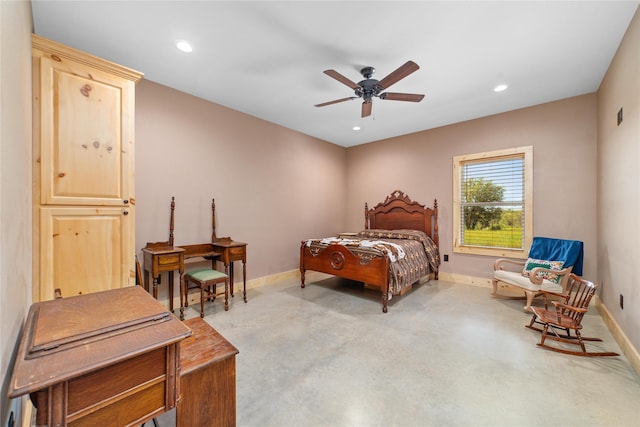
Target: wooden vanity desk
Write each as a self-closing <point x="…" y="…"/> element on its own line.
<point x="108" y="358"/>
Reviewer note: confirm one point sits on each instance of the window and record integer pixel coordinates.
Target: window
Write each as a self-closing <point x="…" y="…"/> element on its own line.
<point x="493" y="203"/>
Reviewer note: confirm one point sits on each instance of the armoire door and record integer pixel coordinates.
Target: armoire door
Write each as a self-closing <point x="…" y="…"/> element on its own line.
<point x="86" y="147"/>
<point x="83" y="250"/>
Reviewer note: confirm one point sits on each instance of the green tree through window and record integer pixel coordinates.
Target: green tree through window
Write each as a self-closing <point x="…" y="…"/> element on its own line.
<point x="481" y="191"/>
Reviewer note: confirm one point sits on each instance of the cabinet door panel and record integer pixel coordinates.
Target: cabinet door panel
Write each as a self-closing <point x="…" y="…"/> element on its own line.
<point x="85" y="138"/>
<point x="84" y="250"/>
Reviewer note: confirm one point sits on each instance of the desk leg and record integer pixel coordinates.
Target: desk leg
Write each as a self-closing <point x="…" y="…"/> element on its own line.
<point x="171" y="290"/>
<point x="244" y="280"/>
<point x="155" y="287"/>
<point x="146" y="280"/>
<point x="182" y="296"/>
<point x="228" y="270"/>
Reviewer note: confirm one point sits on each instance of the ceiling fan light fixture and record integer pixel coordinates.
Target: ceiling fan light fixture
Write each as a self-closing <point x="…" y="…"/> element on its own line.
<point x="184" y="46"/>
<point x="500" y="88"/>
<point x="369" y="88"/>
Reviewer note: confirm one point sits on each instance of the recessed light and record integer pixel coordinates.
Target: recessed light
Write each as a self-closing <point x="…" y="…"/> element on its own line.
<point x="356" y="128"/>
<point x="184" y="46"/>
<point x="500" y="88"/>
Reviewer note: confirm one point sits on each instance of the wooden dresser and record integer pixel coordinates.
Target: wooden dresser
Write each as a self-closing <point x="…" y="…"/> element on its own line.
<point x="207" y="378"/>
<point x="108" y="358"/>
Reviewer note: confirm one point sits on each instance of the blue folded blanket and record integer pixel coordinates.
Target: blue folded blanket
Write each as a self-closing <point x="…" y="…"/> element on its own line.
<point x="569" y="251"/>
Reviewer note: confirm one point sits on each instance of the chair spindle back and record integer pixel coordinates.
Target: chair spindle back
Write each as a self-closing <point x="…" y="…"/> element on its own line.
<point x="579" y="294"/>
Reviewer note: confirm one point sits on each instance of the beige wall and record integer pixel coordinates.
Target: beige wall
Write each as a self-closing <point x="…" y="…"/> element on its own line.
<point x="15" y="186"/>
<point x="619" y="185"/>
<point x="563" y="135"/>
<point x="273" y="187"/>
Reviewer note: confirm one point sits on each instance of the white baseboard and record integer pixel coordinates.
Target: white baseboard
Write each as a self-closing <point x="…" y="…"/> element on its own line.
<point x="465" y="280"/>
<point x="268" y="280"/>
<point x="630" y="352"/>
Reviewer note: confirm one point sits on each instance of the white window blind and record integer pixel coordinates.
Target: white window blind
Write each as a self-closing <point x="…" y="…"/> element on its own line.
<point x="492" y="202"/>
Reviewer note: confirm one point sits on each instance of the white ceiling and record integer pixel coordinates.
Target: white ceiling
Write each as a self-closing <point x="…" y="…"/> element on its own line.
<point x="266" y="58"/>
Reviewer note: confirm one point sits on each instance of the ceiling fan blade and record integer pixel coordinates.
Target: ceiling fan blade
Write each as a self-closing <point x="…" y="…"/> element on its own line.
<point x="336" y="101"/>
<point x="393" y="96"/>
<point x="400" y="73"/>
<point x="342" y="79"/>
<point x="366" y="108"/>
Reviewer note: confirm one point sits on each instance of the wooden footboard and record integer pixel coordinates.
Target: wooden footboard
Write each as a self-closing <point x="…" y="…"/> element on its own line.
<point x="339" y="261"/>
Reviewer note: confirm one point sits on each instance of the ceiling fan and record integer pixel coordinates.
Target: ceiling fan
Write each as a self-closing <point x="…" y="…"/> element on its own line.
<point x="369" y="88"/>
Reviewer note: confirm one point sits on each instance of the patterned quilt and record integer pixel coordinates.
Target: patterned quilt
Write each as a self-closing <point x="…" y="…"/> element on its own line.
<point x="412" y="253"/>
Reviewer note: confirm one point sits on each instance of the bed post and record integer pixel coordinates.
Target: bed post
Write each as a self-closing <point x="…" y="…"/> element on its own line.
<point x="302" y="269"/>
<point x="436" y="237"/>
<point x="366" y="211"/>
<point x="385" y="289"/>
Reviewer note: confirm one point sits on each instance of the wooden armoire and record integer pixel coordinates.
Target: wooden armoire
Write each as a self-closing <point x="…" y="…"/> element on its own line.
<point x="83" y="172"/>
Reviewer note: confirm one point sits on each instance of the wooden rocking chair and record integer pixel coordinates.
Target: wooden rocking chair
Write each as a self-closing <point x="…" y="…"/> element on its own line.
<point x="566" y="316"/>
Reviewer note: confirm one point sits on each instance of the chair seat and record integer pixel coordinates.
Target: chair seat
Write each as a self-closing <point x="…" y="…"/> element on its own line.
<point x="204" y="279"/>
<point x="517" y="279"/>
<point x="552" y="317"/>
<point x="206" y="274"/>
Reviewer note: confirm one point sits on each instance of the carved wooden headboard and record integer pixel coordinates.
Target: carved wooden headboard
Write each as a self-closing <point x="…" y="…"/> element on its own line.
<point x="398" y="211"/>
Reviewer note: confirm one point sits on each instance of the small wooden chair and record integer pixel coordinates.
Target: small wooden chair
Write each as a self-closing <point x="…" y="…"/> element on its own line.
<point x="206" y="280"/>
<point x="566" y="316"/>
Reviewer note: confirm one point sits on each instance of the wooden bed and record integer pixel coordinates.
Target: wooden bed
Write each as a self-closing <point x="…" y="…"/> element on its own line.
<point x="398" y="212"/>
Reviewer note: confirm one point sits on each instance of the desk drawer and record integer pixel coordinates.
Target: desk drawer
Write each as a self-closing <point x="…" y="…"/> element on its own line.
<point x="168" y="259"/>
<point x="236" y="253"/>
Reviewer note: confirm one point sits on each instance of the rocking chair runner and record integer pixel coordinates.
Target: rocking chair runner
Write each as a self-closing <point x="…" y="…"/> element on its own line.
<point x="566" y="316"/>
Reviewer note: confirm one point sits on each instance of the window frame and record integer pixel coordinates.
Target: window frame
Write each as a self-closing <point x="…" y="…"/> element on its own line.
<point x="526" y="153"/>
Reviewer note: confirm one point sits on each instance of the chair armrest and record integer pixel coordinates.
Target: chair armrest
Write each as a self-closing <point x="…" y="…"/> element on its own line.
<point x="562" y="306"/>
<point x="499" y="264"/>
<point x="536" y="278"/>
